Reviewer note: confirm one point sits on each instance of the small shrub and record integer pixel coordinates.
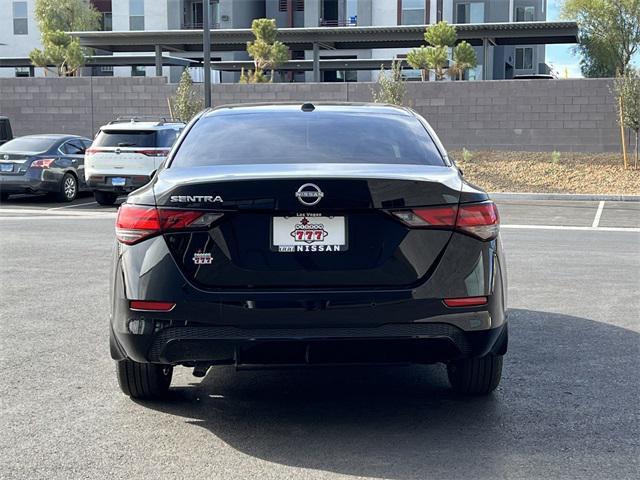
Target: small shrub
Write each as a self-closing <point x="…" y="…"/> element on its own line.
<point x="467" y="156"/>
<point x="391" y="88"/>
<point x="555" y="157"/>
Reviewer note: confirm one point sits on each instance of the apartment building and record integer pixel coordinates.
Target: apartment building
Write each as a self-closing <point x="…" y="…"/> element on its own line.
<point x="19" y="32"/>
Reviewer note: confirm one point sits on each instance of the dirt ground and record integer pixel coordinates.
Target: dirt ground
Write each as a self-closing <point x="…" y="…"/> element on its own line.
<point x="597" y="173"/>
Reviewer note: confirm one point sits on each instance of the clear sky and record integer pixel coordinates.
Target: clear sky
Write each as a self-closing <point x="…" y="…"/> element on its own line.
<point x="561" y="57"/>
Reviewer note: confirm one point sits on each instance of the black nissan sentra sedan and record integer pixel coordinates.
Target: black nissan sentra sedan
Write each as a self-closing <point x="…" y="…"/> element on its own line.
<point x="51" y="164"/>
<point x="325" y="234"/>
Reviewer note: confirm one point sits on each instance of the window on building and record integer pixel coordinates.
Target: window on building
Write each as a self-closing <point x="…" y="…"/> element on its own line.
<point x="106" y="69"/>
<point x="20" y="18"/>
<point x="413" y="12"/>
<point x="524" y="58"/>
<point x="525" y="14"/>
<point x="298" y="5"/>
<point x="24" y="71"/>
<point x="136" y="14"/>
<point x="107" y="24"/>
<point x="472" y="12"/>
<point x="138" y="71"/>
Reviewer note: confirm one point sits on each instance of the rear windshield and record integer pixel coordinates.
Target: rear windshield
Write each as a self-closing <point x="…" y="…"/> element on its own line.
<point x="28" y="144"/>
<point x="307" y="137"/>
<point x="136" y="138"/>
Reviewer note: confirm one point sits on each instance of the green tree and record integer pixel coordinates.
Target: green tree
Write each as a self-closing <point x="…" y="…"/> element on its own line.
<point x="627" y="90"/>
<point x="464" y="58"/>
<point x="267" y="52"/>
<point x="391" y="87"/>
<point x="441" y="35"/>
<point x="186" y="103"/>
<point x="418" y="59"/>
<point x="609" y="32"/>
<point x="55" y="17"/>
<point x="438" y="59"/>
<point x="597" y="57"/>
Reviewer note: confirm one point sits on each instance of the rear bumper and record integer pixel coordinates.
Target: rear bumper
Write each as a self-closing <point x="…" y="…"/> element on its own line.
<point x="103" y="183"/>
<point x="30" y="182"/>
<point x="390" y="343"/>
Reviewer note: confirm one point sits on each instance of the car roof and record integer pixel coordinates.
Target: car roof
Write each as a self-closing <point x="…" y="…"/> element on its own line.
<point x="53" y="136"/>
<point x="336" y="107"/>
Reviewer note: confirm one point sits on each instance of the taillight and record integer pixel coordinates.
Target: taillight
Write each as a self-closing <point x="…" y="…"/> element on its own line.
<point x="478" y="219"/>
<point x="152" y="153"/>
<point x="91" y="150"/>
<point x="43" y="163"/>
<point x="137" y="222"/>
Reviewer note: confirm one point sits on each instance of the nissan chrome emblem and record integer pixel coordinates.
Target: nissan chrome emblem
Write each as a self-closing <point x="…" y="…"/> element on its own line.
<point x="6" y="157"/>
<point x="309" y="194"/>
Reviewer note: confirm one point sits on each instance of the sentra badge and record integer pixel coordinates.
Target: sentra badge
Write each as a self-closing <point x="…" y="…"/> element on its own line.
<point x="195" y="198"/>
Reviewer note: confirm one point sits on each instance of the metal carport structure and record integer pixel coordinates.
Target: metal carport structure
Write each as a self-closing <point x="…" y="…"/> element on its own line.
<point x="188" y="43"/>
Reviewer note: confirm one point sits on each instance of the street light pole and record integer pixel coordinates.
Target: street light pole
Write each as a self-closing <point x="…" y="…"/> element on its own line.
<point x="206" y="50"/>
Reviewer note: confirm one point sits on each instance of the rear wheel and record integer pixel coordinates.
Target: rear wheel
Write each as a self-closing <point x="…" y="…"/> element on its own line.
<point x="68" y="189"/>
<point x="105" y="198"/>
<point x="145" y="381"/>
<point x="475" y="376"/>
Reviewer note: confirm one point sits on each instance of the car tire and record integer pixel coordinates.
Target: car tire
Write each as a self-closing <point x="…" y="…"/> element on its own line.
<point x="105" y="198"/>
<point x="475" y="376"/>
<point x="68" y="188"/>
<point x="143" y="381"/>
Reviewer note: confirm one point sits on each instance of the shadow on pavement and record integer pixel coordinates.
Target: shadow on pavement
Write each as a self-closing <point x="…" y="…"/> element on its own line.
<point x="567" y="406"/>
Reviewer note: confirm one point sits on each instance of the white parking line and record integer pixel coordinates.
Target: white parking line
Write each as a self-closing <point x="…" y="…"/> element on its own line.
<point x="596" y="220"/>
<point x="53" y="213"/>
<point x="570" y="227"/>
<point x="73" y="206"/>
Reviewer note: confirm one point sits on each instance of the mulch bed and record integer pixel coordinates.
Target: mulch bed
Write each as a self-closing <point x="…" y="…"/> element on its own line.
<point x="595" y="173"/>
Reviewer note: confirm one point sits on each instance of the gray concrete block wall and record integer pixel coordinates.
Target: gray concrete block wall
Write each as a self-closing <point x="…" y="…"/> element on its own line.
<point x="528" y="115"/>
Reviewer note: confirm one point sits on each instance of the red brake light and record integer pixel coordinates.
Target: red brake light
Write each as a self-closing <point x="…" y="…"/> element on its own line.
<point x="465" y="302"/>
<point x="137" y="222"/>
<point x="478" y="219"/>
<point x="43" y="162"/>
<point x="153" y="153"/>
<point x="91" y="150"/>
<point x="149" y="306"/>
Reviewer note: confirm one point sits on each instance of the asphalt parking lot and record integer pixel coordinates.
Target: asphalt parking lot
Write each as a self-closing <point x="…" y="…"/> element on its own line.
<point x="567" y="406"/>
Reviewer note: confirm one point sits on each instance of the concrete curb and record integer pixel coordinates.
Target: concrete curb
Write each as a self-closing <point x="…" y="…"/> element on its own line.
<point x="563" y="196"/>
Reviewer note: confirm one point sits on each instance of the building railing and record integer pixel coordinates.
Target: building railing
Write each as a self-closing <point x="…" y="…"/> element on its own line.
<point x="198" y="26"/>
<point x="350" y="22"/>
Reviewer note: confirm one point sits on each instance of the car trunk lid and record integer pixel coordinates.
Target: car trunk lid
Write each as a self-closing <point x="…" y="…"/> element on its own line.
<point x="354" y="241"/>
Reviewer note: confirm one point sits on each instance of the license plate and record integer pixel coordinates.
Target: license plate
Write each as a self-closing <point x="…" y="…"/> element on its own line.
<point x="118" y="181"/>
<point x="6" y="167"/>
<point x="309" y="234"/>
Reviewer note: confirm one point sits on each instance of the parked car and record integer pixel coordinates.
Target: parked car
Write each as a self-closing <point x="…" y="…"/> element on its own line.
<point x="43" y="164"/>
<point x="124" y="155"/>
<point x="308" y="235"/>
<point x="6" y="133"/>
